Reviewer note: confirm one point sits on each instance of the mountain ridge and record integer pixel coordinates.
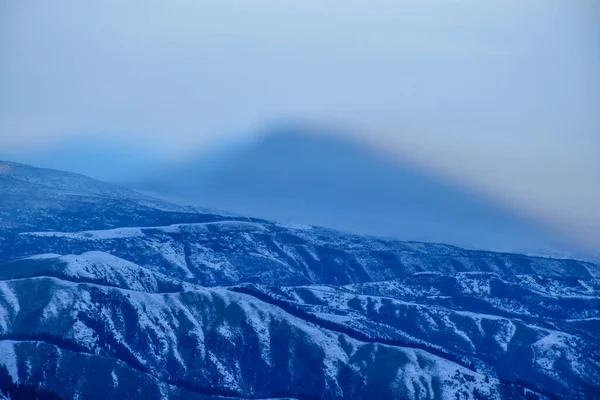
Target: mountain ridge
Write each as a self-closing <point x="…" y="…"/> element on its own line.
<point x="161" y="304"/>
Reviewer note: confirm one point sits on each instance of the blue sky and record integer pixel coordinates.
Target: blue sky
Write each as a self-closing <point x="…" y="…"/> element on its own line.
<point x="500" y="95"/>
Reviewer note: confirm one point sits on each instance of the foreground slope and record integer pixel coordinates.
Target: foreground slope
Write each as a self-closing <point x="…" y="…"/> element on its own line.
<point x="210" y="341"/>
<point x="152" y="300"/>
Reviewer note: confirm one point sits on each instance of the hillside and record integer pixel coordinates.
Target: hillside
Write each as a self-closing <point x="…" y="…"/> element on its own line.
<point x="105" y="293"/>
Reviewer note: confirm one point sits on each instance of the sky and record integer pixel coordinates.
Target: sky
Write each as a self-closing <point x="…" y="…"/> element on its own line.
<point x="502" y="96"/>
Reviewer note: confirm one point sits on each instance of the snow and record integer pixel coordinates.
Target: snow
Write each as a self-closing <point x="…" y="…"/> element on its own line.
<point x="8" y="357"/>
<point x="225" y="331"/>
<point x="416" y="383"/>
<point x="555" y="288"/>
<point x="552" y="347"/>
<point x="474" y="315"/>
<point x="60" y="300"/>
<point x="106" y="315"/>
<point x="159" y="316"/>
<point x="230" y="225"/>
<point x="260" y="315"/>
<point x="118" y="233"/>
<point x="207" y="257"/>
<point x="457" y="331"/>
<point x="583" y="319"/>
<point x="112" y="270"/>
<point x="98" y="264"/>
<point x="115" y="379"/>
<point x="12" y="302"/>
<point x="227" y="377"/>
<point x="297" y="227"/>
<point x="46" y="256"/>
<point x="341" y="319"/>
<point x="474" y="284"/>
<point x="134" y="232"/>
<point x="588" y="287"/>
<point x="505" y="334"/>
<point x="154" y="317"/>
<point x="446" y="371"/>
<point x="175" y="302"/>
<point x="427" y="273"/>
<point x="417" y="376"/>
<point x="313" y="254"/>
<point x="259" y="319"/>
<point x="84" y="334"/>
<point x="174" y="254"/>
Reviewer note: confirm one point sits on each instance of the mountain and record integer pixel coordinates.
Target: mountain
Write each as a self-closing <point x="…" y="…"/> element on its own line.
<point x="35" y="198"/>
<point x="131" y="297"/>
<point x="306" y="174"/>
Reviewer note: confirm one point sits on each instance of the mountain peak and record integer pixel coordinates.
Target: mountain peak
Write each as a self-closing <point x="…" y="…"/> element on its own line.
<point x="317" y="174"/>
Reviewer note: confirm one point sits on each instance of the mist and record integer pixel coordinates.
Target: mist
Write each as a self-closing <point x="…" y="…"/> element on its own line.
<point x="497" y="98"/>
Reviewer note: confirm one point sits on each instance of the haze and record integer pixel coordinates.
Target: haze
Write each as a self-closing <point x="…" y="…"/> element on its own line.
<point x="501" y="96"/>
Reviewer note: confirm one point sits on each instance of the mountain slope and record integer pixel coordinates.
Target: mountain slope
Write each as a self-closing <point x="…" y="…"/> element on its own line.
<point x="217" y="338"/>
<point x="43" y="199"/>
<point x="229" y="252"/>
<point x="166" y="302"/>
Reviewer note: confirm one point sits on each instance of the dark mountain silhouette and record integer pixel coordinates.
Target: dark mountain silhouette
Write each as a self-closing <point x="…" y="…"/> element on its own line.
<point x="308" y="175"/>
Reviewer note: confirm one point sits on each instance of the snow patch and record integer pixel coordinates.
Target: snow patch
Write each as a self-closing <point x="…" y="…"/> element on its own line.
<point x="46" y="256"/>
<point x="174" y="256"/>
<point x="552" y="347"/>
<point x="505" y="334"/>
<point x="297" y="227"/>
<point x="117" y="233"/>
<point x="84" y="334"/>
<point x="115" y="379"/>
<point x="260" y="320"/>
<point x="227" y="377"/>
<point x="8" y="357"/>
<point x="61" y="299"/>
<point x="12" y="301"/>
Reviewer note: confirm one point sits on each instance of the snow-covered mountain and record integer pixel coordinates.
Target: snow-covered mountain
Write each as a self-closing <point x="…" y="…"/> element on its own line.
<point x="106" y="293"/>
<point x="41" y="199"/>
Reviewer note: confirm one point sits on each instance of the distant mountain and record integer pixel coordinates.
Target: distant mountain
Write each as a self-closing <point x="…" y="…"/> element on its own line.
<point x="106" y="293"/>
<point x="296" y="173"/>
<point x="41" y="199"/>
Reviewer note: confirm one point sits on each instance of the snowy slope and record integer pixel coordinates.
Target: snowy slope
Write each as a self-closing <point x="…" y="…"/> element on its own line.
<point x="43" y="199"/>
<point x="102" y="289"/>
<point x="228" y="252"/>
